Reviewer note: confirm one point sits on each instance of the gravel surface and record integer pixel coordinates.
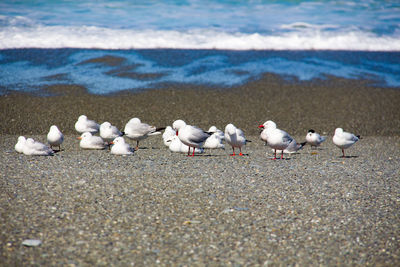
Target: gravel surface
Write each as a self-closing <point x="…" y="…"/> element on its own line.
<point x="159" y="208"/>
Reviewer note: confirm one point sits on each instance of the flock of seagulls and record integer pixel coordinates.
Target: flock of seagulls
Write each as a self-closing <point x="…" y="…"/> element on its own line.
<point x="180" y="137"/>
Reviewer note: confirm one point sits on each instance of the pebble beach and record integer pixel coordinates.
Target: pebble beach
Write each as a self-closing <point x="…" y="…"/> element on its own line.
<point x="161" y="208"/>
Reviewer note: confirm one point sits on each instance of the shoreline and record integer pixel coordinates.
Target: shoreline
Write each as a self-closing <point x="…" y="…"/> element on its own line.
<point x="296" y="106"/>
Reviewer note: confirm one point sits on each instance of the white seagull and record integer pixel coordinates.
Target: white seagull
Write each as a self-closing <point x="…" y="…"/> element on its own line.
<point x="89" y="141"/>
<point x="83" y="125"/>
<point x="168" y="135"/>
<point x="292" y="148"/>
<point x="344" y="140"/>
<point x="19" y="146"/>
<point x="213" y="129"/>
<point x="214" y="142"/>
<point x="191" y="136"/>
<point x="55" y="137"/>
<point x="314" y="139"/>
<point x="275" y="138"/>
<point x="235" y="138"/>
<point x="109" y="132"/>
<point x="172" y="141"/>
<point x="34" y="148"/>
<point x="120" y="147"/>
<point x="175" y="145"/>
<point x="137" y="130"/>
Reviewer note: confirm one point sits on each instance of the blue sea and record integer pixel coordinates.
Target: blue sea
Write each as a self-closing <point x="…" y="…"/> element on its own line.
<point x="212" y="43"/>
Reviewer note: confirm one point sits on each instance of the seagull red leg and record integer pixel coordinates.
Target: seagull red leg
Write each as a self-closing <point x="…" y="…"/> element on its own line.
<point x="274" y="155"/>
<point x="233" y="154"/>
<point x="137" y="145"/>
<point x="240" y="154"/>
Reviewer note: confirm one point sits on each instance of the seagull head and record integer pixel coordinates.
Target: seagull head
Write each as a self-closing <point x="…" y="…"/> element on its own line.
<point x="177" y="125"/>
<point x="269" y="124"/>
<point x="84" y="135"/>
<point x="134" y="120"/>
<point x="230" y="129"/>
<point x="338" y="131"/>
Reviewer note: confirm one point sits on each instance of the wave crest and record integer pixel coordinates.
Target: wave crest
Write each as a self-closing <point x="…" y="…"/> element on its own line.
<point x="105" y="38"/>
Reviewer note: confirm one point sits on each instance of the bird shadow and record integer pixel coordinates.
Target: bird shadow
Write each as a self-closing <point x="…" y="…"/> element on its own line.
<point x="348" y="157"/>
<point x="317" y="149"/>
<point x="271" y="158"/>
<point x="204" y="155"/>
<point x="146" y="148"/>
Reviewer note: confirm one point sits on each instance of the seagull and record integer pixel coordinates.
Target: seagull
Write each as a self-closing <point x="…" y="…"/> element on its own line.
<point x="89" y="141"/>
<point x="214" y="142"/>
<point x="314" y="139"/>
<point x="136" y="130"/>
<point x="109" y="132"/>
<point x="85" y="125"/>
<point x="55" y="137"/>
<point x="344" y="140"/>
<point x="235" y="138"/>
<point x="34" y="148"/>
<point x="277" y="139"/>
<point x="120" y="147"/>
<point x="168" y="135"/>
<point x="19" y="146"/>
<point x="175" y="145"/>
<point x="191" y="136"/>
<point x="293" y="147"/>
<point x="215" y="130"/>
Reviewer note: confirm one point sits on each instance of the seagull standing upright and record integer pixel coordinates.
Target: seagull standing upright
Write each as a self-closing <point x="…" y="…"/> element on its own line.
<point x="235" y="138"/>
<point x="55" y="137"/>
<point x="275" y="138"/>
<point x="191" y="136"/>
<point x="314" y="139"/>
<point x="137" y="130"/>
<point x="344" y="140"/>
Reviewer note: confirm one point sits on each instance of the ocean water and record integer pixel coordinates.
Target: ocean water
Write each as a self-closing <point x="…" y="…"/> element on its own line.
<point x="216" y="43"/>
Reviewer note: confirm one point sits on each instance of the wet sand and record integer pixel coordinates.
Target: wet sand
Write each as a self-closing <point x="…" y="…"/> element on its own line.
<point x="295" y="106"/>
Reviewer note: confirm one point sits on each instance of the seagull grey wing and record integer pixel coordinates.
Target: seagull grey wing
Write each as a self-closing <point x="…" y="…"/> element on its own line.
<point x="240" y="136"/>
<point x="286" y="137"/>
<point x="144" y="129"/>
<point x="240" y="133"/>
<point x="115" y="131"/>
<point x="39" y="146"/>
<point x="198" y="135"/>
<point x="92" y="124"/>
<point x="98" y="141"/>
<point x="350" y="137"/>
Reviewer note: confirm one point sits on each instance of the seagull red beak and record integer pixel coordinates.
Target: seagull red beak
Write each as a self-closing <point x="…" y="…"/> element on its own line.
<point x="261" y="126"/>
<point x="79" y="138"/>
<point x="176" y="132"/>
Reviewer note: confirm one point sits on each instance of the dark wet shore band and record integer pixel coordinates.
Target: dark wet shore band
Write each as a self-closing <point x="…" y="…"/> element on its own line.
<point x="295" y="106"/>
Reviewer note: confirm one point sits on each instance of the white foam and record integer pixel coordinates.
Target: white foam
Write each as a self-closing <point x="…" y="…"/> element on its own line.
<point x="307" y="38"/>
